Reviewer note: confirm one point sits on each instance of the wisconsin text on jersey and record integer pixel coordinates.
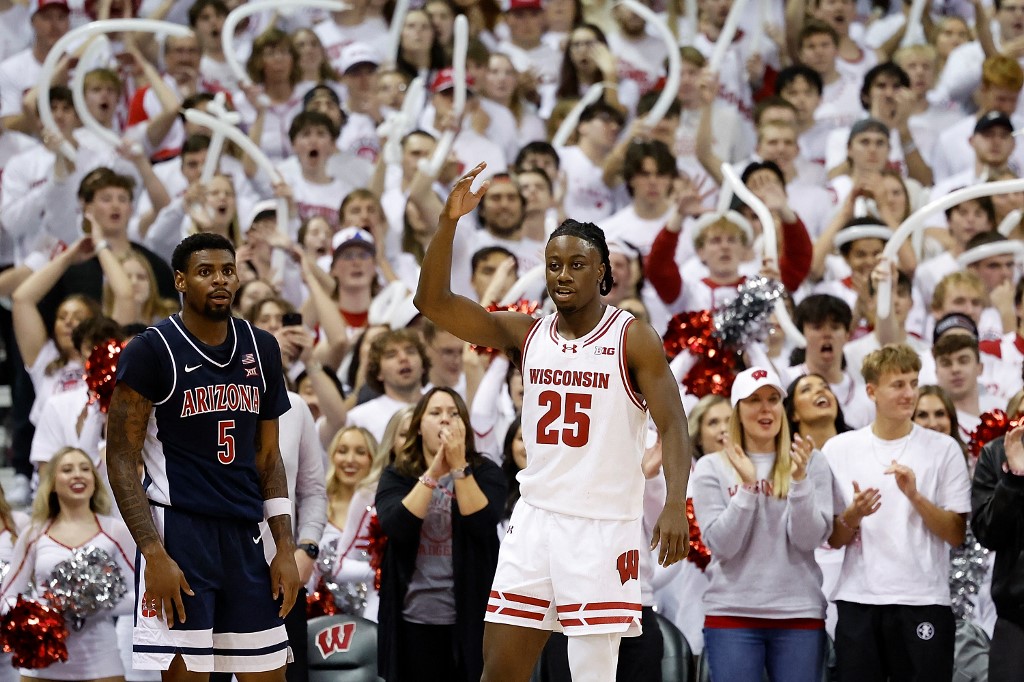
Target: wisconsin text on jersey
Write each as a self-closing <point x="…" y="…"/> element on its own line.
<point x="560" y="377"/>
<point x="221" y="398"/>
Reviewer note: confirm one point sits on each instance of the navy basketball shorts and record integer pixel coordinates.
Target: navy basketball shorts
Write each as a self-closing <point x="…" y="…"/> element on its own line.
<point x="231" y="624"/>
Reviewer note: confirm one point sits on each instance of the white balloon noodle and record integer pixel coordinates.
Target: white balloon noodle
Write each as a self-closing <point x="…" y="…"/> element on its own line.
<point x="235" y="16"/>
<point x="249" y="147"/>
<point x="399" y="123"/>
<point x="670" y="91"/>
<point x="690" y="12"/>
<point x="913" y="22"/>
<point x="771" y="246"/>
<point x="432" y="166"/>
<point x="395" y="34"/>
<point x="216" y="108"/>
<point x="727" y="34"/>
<point x="916" y="221"/>
<point x="77" y="35"/>
<point x="571" y="120"/>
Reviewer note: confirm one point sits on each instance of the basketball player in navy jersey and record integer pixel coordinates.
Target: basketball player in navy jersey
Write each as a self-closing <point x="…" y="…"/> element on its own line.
<point x="591" y="376"/>
<point x="196" y="402"/>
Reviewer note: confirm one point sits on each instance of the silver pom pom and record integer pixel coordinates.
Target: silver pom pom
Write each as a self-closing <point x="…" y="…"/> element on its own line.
<point x="85" y="584"/>
<point x="968" y="565"/>
<point x="745" y="319"/>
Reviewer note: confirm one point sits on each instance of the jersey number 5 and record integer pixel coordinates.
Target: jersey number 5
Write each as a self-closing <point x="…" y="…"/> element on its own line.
<point x="577" y="423"/>
<point x="225" y="441"/>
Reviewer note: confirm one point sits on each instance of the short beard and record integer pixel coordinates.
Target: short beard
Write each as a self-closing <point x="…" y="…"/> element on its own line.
<point x="216" y="314"/>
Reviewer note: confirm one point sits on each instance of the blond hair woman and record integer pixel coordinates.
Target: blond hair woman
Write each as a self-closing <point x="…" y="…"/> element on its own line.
<point x="764" y="503"/>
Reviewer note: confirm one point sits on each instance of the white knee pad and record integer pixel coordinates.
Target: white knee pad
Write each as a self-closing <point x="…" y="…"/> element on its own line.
<point x="594" y="658"/>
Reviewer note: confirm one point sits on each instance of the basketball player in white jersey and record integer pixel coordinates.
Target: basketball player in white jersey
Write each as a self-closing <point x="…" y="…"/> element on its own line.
<point x="591" y="373"/>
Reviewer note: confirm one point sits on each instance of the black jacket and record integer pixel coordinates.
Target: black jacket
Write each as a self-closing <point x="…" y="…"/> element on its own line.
<point x="997" y="500"/>
<point x="474" y="557"/>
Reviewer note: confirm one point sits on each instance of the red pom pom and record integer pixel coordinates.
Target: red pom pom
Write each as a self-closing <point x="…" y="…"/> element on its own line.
<point x="320" y="602"/>
<point x="699" y="553"/>
<point x="36" y="634"/>
<point x="691" y="331"/>
<point x="101" y="370"/>
<point x="993" y="425"/>
<point x="375" y="547"/>
<point x="715" y="368"/>
<point x="521" y="306"/>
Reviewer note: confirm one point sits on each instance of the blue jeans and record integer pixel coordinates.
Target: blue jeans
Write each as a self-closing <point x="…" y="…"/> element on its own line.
<point x="743" y="654"/>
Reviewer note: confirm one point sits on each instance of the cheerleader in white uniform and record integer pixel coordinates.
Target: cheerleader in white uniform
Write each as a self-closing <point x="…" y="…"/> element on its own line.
<point x="355" y="465"/>
<point x="11" y="526"/>
<point x="70" y="511"/>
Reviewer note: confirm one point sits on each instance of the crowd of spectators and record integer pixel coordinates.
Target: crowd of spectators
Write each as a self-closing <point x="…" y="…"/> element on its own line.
<point x="839" y="117"/>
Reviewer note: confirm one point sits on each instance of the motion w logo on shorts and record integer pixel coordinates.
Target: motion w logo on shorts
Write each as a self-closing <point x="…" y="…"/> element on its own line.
<point x="628" y="565"/>
<point x="335" y="639"/>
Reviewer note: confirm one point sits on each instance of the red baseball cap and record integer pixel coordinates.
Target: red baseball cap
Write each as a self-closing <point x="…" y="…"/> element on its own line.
<point x="514" y="5"/>
<point x="445" y="80"/>
<point x="43" y="4"/>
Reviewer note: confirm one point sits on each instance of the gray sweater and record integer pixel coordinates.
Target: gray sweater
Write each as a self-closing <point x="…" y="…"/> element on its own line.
<point x="762" y="547"/>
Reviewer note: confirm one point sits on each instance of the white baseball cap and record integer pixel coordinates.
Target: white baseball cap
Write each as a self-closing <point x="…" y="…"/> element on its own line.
<point x="749" y="380"/>
<point x="358" y="53"/>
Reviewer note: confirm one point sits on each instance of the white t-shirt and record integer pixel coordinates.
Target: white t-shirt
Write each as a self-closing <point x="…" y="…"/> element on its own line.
<point x="15" y="30"/>
<point x="313" y="199"/>
<point x="587" y="198"/>
<point x="968" y="422"/>
<point x="335" y="38"/>
<point x="1002" y="360"/>
<point x="19" y="73"/>
<point x="544" y="61"/>
<point x="639" y="60"/>
<point x="627" y="226"/>
<point x="840" y="103"/>
<point x="276" y="121"/>
<point x="896" y="559"/>
<point x="359" y="138"/>
<point x="374" y="415"/>
<point x="65" y="378"/>
<point x="58" y="426"/>
<point x="528" y="252"/>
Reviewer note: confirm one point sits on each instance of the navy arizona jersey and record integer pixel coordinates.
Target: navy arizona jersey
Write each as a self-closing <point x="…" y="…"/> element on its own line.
<point x="200" y="454"/>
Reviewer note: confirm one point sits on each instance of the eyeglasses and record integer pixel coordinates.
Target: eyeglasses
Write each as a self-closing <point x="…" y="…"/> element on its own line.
<point x="582" y="44"/>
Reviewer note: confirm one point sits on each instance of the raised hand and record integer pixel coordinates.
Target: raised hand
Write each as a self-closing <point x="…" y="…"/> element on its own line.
<point x="1014" y="448"/>
<point x="462" y="200"/>
<point x="741" y="463"/>
<point x="800" y="456"/>
<point x="906" y="481"/>
<point x="453" y="442"/>
<point x="865" y="502"/>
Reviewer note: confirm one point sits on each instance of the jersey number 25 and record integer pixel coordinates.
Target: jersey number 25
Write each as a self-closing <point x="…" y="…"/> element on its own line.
<point x="577" y="423"/>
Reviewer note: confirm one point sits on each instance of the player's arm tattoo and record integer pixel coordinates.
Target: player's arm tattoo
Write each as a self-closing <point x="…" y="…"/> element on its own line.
<point x="127" y="423"/>
<point x="273" y="479"/>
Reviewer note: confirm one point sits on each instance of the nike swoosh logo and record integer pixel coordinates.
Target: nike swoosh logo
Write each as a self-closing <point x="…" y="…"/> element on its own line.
<point x="256" y="540"/>
<point x="192" y="369"/>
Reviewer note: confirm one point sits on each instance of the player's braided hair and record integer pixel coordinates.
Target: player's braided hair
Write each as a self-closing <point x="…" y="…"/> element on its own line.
<point x="594" y="235"/>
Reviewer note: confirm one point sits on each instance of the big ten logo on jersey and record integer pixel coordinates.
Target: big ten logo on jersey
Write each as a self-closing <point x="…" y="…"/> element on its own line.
<point x="335" y="639"/>
<point x="628" y="565"/>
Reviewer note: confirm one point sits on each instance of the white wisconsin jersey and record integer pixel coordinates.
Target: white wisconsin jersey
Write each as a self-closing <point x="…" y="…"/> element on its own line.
<point x="583" y="424"/>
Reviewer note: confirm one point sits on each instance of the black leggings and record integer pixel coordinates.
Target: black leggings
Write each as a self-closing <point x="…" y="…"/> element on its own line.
<point x="421" y="650"/>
